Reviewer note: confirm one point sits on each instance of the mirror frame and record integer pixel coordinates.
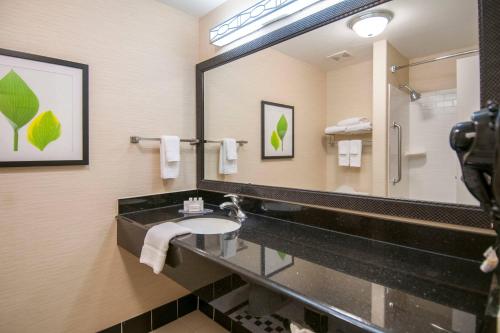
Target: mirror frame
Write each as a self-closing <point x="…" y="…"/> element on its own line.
<point x="397" y="209"/>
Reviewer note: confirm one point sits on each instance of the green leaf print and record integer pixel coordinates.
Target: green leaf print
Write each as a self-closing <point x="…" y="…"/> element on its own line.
<point x="282" y="255"/>
<point x="17" y="102"/>
<point x="275" y="140"/>
<point x="43" y="130"/>
<point x="282" y="128"/>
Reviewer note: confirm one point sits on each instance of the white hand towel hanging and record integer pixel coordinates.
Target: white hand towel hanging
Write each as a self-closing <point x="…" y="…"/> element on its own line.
<point x="355" y="150"/>
<point x="228" y="157"/>
<point x="231" y="149"/>
<point x="170" y="156"/>
<point x="343" y="152"/>
<point x="156" y="242"/>
<point x="353" y="121"/>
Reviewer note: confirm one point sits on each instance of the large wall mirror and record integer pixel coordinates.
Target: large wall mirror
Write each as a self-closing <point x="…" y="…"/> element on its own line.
<point x="371" y="116"/>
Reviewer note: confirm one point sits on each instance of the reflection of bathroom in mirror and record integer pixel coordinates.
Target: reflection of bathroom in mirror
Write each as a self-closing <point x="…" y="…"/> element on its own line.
<point x="371" y="115"/>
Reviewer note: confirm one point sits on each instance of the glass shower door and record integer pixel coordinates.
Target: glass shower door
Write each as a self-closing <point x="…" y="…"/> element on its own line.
<point x="397" y="139"/>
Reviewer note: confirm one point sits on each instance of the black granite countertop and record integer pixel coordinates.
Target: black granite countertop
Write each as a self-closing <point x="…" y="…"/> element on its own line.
<point x="382" y="286"/>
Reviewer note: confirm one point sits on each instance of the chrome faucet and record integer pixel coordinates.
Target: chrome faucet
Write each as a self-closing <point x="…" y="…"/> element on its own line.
<point x="234" y="207"/>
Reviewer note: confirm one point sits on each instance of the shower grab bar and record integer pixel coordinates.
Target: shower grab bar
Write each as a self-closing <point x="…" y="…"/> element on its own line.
<point x="398" y="128"/>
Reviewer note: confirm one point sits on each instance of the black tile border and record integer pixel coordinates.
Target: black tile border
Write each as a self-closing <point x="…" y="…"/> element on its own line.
<point x="186" y="305"/>
<point x="169" y="312"/>
<point x="470" y="216"/>
<point x="215" y="290"/>
<point x="164" y="314"/>
<point x="206" y="308"/>
<point x="138" y="324"/>
<point x="223" y="286"/>
<point x="113" y="329"/>
<point x="315" y="320"/>
<point x="223" y="320"/>
<point x="152" y="319"/>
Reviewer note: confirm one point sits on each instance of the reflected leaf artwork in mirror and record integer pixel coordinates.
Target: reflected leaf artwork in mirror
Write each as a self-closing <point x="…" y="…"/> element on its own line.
<point x="372" y="114"/>
<point x="277" y="139"/>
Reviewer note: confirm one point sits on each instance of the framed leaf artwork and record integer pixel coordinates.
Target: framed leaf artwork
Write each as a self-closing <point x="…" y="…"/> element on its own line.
<point x="277" y="130"/>
<point x="274" y="261"/>
<point x="43" y="111"/>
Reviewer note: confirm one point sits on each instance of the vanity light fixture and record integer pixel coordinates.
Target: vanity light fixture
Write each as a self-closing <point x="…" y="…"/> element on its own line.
<point x="370" y="24"/>
<point x="254" y="18"/>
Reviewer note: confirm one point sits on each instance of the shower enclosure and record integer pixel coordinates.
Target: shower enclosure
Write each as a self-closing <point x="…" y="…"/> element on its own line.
<point x="419" y="124"/>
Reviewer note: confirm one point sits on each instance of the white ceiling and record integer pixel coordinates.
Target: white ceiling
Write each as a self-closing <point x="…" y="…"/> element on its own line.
<point x="419" y="28"/>
<point x="196" y="8"/>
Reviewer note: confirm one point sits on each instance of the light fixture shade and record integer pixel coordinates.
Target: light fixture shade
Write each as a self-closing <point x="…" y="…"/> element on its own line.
<point x="254" y="18"/>
<point x="370" y="24"/>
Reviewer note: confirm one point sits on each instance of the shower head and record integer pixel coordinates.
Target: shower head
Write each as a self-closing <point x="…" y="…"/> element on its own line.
<point x="414" y="95"/>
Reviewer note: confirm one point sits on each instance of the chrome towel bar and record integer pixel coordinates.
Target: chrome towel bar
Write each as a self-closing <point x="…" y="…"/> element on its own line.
<point x="137" y="139"/>
<point x="240" y="142"/>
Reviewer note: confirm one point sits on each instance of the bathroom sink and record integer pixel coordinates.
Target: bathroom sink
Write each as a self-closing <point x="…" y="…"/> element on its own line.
<point x="209" y="225"/>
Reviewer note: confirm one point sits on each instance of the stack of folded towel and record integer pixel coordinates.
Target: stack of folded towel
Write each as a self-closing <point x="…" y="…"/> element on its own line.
<point x="350" y="125"/>
<point x="350" y="153"/>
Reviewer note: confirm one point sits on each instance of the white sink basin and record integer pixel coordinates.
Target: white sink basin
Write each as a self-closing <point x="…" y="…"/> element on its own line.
<point x="209" y="225"/>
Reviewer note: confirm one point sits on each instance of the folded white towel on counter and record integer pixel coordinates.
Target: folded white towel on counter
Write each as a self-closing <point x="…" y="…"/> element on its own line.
<point x="335" y="129"/>
<point x="353" y="121"/>
<point x="170" y="156"/>
<point x="359" y="127"/>
<point x="154" y="250"/>
<point x="228" y="157"/>
<point x="344" y="150"/>
<point x="355" y="149"/>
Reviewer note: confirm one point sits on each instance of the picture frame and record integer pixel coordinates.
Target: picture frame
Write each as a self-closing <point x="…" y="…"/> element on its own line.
<point x="277" y="130"/>
<point x="44" y="116"/>
<point x="436" y="212"/>
<point x="274" y="261"/>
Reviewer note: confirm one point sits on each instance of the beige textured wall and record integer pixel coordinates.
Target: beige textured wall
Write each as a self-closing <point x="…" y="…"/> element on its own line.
<point x="214" y="17"/>
<point x="439" y="75"/>
<point x="61" y="268"/>
<point x="433" y="76"/>
<point x="233" y="94"/>
<point x="395" y="57"/>
<point x="349" y="94"/>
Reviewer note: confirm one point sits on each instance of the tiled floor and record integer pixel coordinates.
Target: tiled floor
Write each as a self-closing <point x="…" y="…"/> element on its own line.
<point x="195" y="322"/>
<point x="265" y="324"/>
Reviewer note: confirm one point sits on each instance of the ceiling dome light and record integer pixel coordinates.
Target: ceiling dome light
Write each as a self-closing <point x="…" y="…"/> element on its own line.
<point x="370" y="24"/>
